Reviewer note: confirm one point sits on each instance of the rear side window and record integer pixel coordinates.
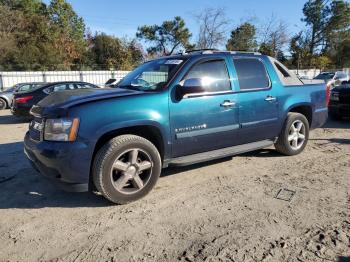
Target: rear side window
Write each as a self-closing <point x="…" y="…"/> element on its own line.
<point x="84" y="86"/>
<point x="282" y="70"/>
<point x="60" y="87"/>
<point x="213" y="73"/>
<point x="251" y="73"/>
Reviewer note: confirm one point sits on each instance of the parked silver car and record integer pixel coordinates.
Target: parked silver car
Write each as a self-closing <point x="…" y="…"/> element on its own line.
<point x="333" y="78"/>
<point x="7" y="95"/>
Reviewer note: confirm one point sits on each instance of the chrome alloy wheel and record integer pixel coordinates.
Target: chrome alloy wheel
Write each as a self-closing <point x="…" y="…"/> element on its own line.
<point x="131" y="171"/>
<point x="296" y="136"/>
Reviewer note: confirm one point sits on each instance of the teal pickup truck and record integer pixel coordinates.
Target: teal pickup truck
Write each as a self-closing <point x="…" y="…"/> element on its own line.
<point x="175" y="110"/>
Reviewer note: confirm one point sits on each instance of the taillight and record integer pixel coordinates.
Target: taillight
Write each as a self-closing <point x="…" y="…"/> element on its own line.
<point x="24" y="99"/>
<point x="328" y="94"/>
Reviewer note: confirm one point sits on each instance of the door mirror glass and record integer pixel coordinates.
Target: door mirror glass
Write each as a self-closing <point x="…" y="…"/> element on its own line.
<point x="193" y="83"/>
<point x="191" y="86"/>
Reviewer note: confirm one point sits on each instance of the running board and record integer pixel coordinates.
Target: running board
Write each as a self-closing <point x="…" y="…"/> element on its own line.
<point x="219" y="153"/>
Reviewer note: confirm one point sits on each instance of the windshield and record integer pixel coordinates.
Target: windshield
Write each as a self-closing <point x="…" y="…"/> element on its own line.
<point x="325" y="76"/>
<point x="151" y="76"/>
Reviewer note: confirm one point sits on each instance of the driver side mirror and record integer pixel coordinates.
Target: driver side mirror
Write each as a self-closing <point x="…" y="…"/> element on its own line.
<point x="191" y="86"/>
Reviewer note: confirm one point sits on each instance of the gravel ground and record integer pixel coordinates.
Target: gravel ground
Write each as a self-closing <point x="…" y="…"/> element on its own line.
<point x="219" y="211"/>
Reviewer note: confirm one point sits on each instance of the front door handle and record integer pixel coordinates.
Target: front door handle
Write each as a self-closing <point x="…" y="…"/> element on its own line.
<point x="227" y="103"/>
<point x="270" y="99"/>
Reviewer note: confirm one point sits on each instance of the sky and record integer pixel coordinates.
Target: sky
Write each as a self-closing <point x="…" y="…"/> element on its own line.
<point x="121" y="18"/>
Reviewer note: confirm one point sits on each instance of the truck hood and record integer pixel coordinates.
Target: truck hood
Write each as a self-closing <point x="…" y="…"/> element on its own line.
<point x="342" y="88"/>
<point x="56" y="104"/>
<point x="79" y="96"/>
<point x="6" y="93"/>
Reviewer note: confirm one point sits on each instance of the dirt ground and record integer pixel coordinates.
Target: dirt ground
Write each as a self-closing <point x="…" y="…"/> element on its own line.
<point x="219" y="211"/>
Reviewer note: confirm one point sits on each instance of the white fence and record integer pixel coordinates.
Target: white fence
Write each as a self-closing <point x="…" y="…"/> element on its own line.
<point x="309" y="73"/>
<point x="9" y="79"/>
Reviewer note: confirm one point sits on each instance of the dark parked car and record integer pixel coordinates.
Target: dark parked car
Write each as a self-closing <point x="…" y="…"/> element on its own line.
<point x="23" y="101"/>
<point x="175" y="110"/>
<point x="339" y="105"/>
<point x="7" y="95"/>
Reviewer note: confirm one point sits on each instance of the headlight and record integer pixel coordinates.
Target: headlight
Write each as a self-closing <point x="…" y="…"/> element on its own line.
<point x="335" y="96"/>
<point x="62" y="129"/>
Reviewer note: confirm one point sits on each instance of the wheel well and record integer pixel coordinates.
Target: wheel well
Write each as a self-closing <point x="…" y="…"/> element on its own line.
<point x="304" y="110"/>
<point x="6" y="102"/>
<point x="150" y="133"/>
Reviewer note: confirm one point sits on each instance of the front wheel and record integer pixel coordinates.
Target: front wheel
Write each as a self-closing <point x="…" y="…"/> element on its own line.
<point x="126" y="168"/>
<point x="3" y="104"/>
<point x="294" y="135"/>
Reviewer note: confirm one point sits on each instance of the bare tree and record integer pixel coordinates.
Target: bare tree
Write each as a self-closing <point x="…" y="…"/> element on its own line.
<point x="213" y="28"/>
<point x="273" y="36"/>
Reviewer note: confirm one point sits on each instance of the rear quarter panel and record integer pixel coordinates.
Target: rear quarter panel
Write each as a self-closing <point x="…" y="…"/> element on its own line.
<point x="289" y="97"/>
<point x="312" y="95"/>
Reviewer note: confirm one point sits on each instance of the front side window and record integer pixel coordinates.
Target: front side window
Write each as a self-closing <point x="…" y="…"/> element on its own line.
<point x="151" y="76"/>
<point x="251" y="73"/>
<point x="212" y="74"/>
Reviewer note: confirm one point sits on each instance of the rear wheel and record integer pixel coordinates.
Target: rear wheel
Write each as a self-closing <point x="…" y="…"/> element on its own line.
<point x="294" y="135"/>
<point x="3" y="104"/>
<point x="126" y="168"/>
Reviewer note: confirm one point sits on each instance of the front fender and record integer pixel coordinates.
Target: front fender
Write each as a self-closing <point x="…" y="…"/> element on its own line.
<point x="102" y="117"/>
<point x="133" y="123"/>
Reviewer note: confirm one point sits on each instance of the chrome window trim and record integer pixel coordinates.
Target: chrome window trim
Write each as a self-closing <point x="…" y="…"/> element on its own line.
<point x="207" y="94"/>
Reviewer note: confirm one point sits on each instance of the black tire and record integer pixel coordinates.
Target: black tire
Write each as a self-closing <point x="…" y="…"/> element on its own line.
<point x="334" y="116"/>
<point x="108" y="155"/>
<point x="283" y="145"/>
<point x="3" y="104"/>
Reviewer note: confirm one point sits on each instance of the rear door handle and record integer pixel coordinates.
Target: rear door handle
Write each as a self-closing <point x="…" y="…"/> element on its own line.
<point x="227" y="103"/>
<point x="270" y="99"/>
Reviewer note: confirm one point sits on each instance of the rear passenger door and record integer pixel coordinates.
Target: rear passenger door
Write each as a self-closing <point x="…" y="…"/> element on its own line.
<point x="258" y="103"/>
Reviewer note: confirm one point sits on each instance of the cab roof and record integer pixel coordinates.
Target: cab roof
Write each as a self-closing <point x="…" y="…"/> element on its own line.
<point x="206" y="52"/>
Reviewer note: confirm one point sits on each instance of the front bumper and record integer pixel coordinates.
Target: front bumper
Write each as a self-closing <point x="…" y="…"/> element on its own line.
<point x="340" y="109"/>
<point x="65" y="164"/>
<point x="20" y="111"/>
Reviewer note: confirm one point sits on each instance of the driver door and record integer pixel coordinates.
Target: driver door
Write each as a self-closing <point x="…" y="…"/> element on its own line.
<point x="208" y="119"/>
